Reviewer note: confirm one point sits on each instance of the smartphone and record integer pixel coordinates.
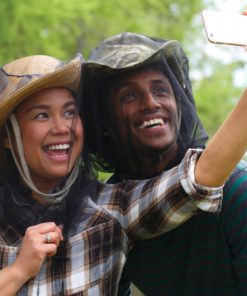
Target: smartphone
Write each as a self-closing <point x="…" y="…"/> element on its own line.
<point x="225" y="27"/>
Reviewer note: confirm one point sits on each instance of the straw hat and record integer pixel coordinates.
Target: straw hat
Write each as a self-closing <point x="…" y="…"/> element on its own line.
<point x="23" y="77"/>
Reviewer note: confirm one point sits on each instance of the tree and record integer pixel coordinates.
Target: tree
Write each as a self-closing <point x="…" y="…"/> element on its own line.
<point x="61" y="28"/>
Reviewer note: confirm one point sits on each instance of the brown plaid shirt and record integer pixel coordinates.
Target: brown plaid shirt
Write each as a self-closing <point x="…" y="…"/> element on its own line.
<point x="90" y="261"/>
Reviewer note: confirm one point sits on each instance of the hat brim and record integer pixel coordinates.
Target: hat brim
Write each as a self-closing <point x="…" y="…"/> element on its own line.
<point x="112" y="59"/>
<point x="115" y="58"/>
<point x="67" y="76"/>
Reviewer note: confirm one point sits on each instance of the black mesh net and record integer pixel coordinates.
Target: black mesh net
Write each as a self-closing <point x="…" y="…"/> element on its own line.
<point x="108" y="153"/>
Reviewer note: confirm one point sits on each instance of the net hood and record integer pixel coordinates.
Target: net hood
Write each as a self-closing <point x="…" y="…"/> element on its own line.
<point x="126" y="52"/>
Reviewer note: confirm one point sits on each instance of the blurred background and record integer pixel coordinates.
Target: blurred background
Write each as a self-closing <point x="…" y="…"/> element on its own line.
<point x="62" y="28"/>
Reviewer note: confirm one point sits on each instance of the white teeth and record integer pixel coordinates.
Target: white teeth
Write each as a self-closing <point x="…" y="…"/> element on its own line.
<point x="59" y="147"/>
<point x="152" y="122"/>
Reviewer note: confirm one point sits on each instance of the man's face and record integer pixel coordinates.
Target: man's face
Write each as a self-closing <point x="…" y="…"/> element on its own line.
<point x="145" y="111"/>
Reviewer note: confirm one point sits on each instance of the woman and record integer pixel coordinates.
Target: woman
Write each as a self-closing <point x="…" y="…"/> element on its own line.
<point x="61" y="232"/>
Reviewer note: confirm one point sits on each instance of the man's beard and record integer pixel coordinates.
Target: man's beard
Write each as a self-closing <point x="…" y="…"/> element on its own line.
<point x="137" y="157"/>
<point x="145" y="157"/>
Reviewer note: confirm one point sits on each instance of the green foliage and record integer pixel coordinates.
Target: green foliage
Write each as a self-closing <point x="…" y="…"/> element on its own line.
<point x="61" y="28"/>
<point x="102" y="176"/>
<point x="215" y="95"/>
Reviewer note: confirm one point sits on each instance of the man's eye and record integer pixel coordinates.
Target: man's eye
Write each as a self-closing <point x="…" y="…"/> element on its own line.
<point x="128" y="97"/>
<point x="160" y="91"/>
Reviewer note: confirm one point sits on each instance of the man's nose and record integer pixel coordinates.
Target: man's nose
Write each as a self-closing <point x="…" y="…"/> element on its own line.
<point x="150" y="102"/>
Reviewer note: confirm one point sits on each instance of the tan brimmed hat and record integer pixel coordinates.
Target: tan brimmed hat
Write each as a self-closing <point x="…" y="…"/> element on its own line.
<point x="23" y="77"/>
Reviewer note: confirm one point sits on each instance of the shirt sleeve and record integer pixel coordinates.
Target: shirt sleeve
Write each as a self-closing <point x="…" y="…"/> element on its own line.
<point x="151" y="207"/>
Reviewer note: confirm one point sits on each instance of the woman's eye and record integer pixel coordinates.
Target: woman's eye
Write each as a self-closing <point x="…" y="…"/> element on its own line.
<point x="41" y="115"/>
<point x="71" y="113"/>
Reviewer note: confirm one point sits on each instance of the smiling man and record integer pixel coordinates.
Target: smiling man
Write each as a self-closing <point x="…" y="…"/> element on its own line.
<point x="132" y="96"/>
<point x="140" y="118"/>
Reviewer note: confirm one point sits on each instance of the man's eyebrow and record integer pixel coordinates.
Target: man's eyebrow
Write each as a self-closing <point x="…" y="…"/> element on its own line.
<point x="121" y="84"/>
<point x="160" y="80"/>
<point x="129" y="83"/>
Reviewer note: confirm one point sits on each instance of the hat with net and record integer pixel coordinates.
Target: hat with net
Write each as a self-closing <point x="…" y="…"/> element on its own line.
<point x="124" y="53"/>
<point x="23" y="77"/>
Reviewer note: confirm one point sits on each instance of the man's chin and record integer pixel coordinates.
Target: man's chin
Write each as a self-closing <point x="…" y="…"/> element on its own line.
<point x="158" y="151"/>
<point x="159" y="148"/>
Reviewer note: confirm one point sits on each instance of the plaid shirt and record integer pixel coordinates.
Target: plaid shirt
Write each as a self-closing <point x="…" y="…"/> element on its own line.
<point x="90" y="261"/>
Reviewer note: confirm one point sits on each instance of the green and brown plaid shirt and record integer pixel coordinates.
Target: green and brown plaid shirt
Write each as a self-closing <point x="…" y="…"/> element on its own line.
<point x="90" y="261"/>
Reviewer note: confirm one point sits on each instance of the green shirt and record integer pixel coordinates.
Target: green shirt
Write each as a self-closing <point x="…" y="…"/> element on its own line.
<point x="206" y="256"/>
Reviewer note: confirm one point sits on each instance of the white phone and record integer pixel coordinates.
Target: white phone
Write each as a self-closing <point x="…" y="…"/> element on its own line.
<point x="225" y="27"/>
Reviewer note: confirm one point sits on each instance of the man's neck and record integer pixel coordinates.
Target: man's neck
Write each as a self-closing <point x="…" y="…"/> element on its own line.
<point x="150" y="165"/>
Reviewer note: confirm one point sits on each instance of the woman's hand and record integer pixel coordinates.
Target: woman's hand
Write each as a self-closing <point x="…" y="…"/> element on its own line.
<point x="40" y="241"/>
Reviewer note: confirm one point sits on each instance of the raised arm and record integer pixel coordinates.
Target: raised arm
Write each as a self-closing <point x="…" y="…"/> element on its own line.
<point x="150" y="207"/>
<point x="225" y="149"/>
<point x="167" y="201"/>
<point x="227" y="146"/>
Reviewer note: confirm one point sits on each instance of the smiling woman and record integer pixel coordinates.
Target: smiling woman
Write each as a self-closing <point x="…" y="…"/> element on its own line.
<point x="55" y="130"/>
<point x="32" y="113"/>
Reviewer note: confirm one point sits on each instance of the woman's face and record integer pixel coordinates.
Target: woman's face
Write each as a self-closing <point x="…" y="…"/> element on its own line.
<point x="52" y="135"/>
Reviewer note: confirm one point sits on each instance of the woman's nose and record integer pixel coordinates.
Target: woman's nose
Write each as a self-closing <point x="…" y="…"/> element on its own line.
<point x="60" y="126"/>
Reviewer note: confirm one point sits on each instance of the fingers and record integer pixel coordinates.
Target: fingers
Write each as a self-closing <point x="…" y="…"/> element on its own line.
<point x="47" y="238"/>
<point x="59" y="230"/>
<point x="44" y="237"/>
<point x="52" y="238"/>
<point x="45" y="228"/>
<point x="39" y="242"/>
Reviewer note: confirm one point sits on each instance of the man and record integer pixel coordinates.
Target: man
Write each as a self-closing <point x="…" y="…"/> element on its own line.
<point x="141" y="117"/>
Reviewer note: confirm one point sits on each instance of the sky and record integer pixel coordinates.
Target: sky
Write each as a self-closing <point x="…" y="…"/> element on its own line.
<point x="230" y="5"/>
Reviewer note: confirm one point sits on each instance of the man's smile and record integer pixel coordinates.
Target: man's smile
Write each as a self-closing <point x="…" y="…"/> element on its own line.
<point x="152" y="123"/>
